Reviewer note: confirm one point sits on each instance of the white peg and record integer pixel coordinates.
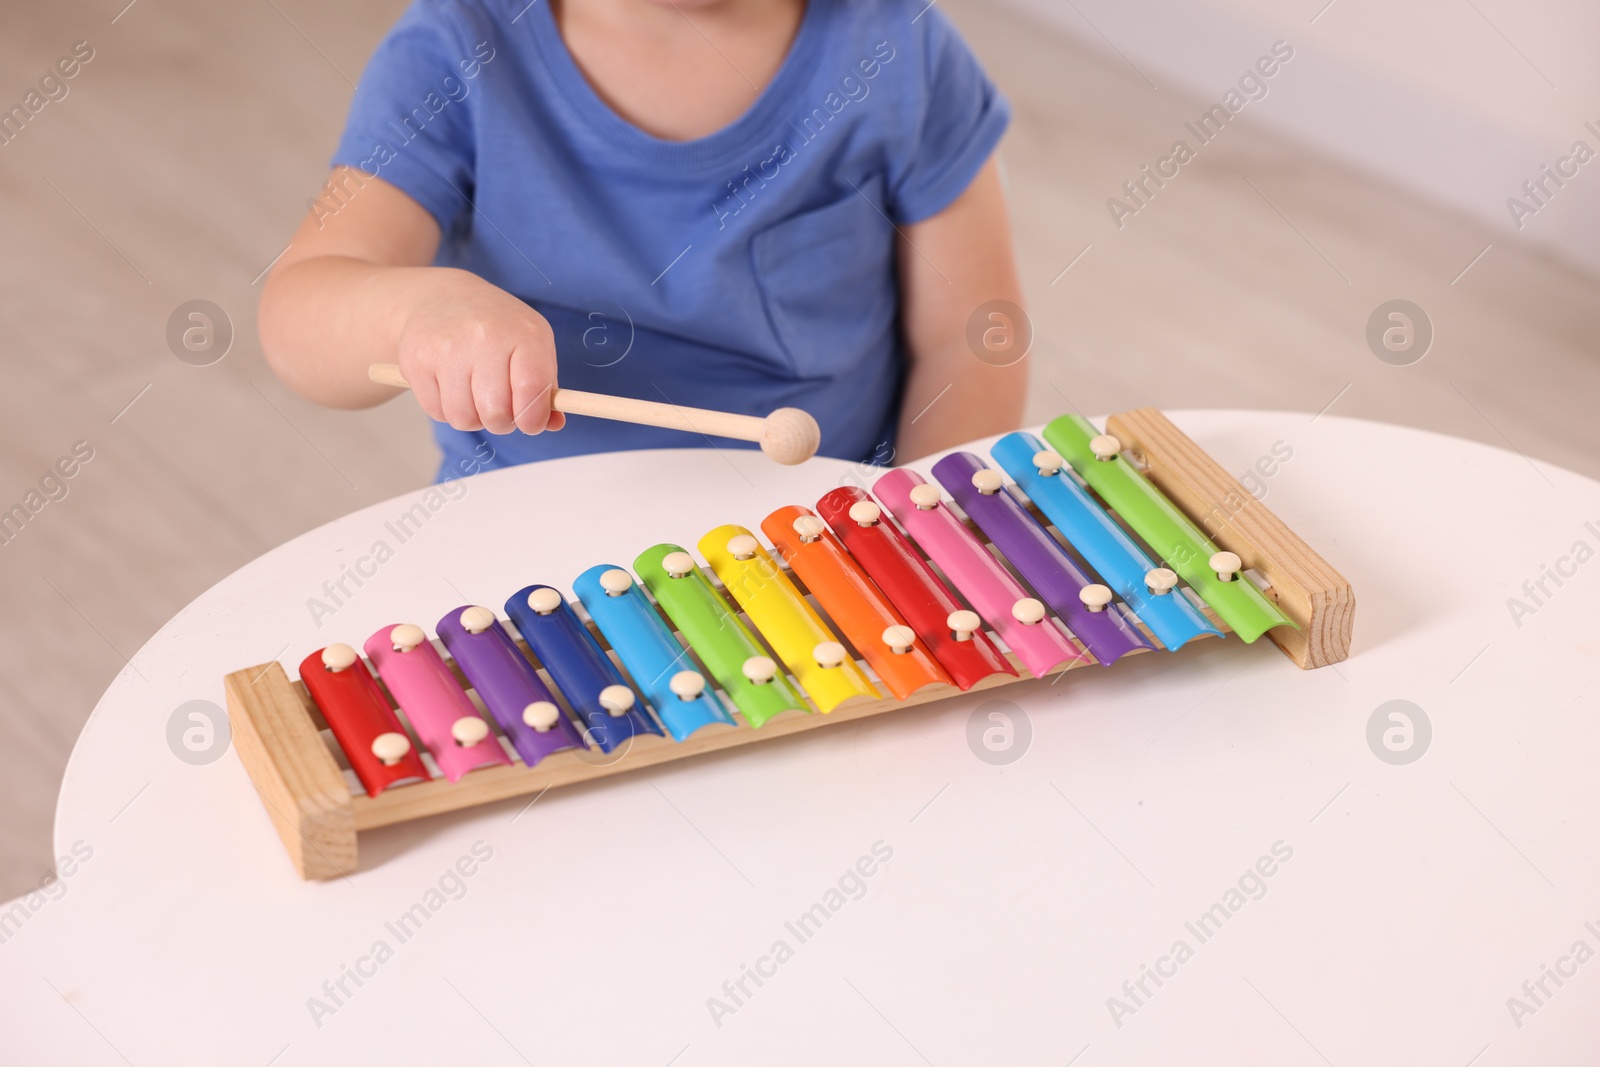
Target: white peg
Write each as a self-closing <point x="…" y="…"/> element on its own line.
<point x="760" y="669"/>
<point x="406" y="636"/>
<point x="544" y="600"/>
<point x="809" y="527"/>
<point x="338" y="657"/>
<point x="899" y="638"/>
<point x="1048" y="462"/>
<point x="391" y="747"/>
<point x="541" y="715"/>
<point x="469" y="730"/>
<point x="1227" y="565"/>
<point x="987" y="481"/>
<point x="1028" y="611"/>
<point x="677" y="564"/>
<point x="1161" y="581"/>
<point x="865" y="513"/>
<point x="616" y="699"/>
<point x="687" y="685"/>
<point x="925" y="497"/>
<point x="828" y="654"/>
<point x="475" y="620"/>
<point x="963" y="624"/>
<point x="743" y="547"/>
<point x="1095" y="597"/>
<point x="616" y="581"/>
<point x="1105" y="447"/>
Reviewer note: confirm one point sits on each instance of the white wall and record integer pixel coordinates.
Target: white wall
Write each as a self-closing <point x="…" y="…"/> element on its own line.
<point x="1459" y="100"/>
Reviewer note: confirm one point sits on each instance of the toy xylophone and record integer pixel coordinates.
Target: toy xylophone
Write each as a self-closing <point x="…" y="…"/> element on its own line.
<point x="1099" y="546"/>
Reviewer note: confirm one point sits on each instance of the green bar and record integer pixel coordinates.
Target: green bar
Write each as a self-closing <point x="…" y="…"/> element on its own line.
<point x="715" y="634"/>
<point x="1178" y="542"/>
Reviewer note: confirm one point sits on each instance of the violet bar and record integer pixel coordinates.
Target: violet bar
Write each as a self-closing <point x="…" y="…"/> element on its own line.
<point x="508" y="684"/>
<point x="1044" y="564"/>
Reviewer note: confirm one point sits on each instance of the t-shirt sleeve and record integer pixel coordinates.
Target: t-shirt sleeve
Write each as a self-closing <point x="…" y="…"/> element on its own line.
<point x="410" y="120"/>
<point x="962" y="118"/>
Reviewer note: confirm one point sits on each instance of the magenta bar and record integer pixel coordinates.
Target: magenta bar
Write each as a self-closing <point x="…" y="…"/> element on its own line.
<point x="445" y="720"/>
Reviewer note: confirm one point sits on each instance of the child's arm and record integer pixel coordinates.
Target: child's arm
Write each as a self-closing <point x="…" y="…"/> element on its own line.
<point x="355" y="288"/>
<point x="949" y="265"/>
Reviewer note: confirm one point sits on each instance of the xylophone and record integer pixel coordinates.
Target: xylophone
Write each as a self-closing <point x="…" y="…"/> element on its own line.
<point x="1083" y="548"/>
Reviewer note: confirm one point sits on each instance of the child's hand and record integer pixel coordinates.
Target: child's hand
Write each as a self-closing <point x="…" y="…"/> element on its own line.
<point x="479" y="358"/>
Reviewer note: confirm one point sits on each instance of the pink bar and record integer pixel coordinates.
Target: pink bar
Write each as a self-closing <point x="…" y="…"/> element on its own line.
<point x="976" y="574"/>
<point x="431" y="700"/>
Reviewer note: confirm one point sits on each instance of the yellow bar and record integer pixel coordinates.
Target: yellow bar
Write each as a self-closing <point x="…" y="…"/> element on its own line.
<point x="785" y="619"/>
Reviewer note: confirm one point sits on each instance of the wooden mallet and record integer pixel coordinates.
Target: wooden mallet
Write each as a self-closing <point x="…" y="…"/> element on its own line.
<point x="787" y="436"/>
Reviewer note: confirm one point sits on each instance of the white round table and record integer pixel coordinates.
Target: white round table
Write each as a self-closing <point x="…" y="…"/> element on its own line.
<point x="1189" y="858"/>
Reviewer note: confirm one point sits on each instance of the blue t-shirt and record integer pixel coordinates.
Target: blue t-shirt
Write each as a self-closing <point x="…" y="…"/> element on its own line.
<point x="744" y="271"/>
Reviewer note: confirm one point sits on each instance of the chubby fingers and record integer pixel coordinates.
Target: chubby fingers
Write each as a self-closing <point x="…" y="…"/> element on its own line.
<point x="491" y="394"/>
<point x="533" y="384"/>
<point x="425" y="387"/>
<point x="456" y="400"/>
<point x="484" y="362"/>
<point x="443" y="387"/>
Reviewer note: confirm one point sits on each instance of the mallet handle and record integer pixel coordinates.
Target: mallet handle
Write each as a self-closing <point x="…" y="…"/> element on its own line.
<point x="777" y="440"/>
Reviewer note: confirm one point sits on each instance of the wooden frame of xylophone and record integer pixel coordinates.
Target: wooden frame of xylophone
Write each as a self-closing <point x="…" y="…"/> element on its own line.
<point x="282" y="737"/>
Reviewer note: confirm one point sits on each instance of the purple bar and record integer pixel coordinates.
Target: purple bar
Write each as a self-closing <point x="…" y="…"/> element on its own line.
<point x="506" y="683"/>
<point x="1040" y="559"/>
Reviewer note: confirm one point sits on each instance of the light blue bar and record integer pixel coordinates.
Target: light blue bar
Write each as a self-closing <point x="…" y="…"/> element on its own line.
<point x="1115" y="556"/>
<point x="649" y="651"/>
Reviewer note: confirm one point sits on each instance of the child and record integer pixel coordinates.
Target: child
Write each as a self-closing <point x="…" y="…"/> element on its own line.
<point x="729" y="204"/>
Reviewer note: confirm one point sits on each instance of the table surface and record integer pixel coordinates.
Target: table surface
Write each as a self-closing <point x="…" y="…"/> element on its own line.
<point x="1041" y="900"/>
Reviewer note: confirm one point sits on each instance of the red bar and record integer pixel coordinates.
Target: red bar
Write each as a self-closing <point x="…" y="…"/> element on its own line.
<point x="911" y="586"/>
<point x="358" y="713"/>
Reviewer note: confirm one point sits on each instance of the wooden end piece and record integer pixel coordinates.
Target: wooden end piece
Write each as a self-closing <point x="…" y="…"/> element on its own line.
<point x="1304" y="585"/>
<point x="300" y="785"/>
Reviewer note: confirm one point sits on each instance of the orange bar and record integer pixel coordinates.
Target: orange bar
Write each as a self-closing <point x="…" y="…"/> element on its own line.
<point x="856" y="606"/>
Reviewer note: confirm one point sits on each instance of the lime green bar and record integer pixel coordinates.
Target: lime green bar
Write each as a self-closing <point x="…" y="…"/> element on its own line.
<point x="1178" y="542"/>
<point x="716" y="635"/>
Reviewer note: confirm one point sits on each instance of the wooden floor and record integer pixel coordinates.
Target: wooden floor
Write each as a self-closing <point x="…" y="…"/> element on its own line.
<point x="183" y="156"/>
